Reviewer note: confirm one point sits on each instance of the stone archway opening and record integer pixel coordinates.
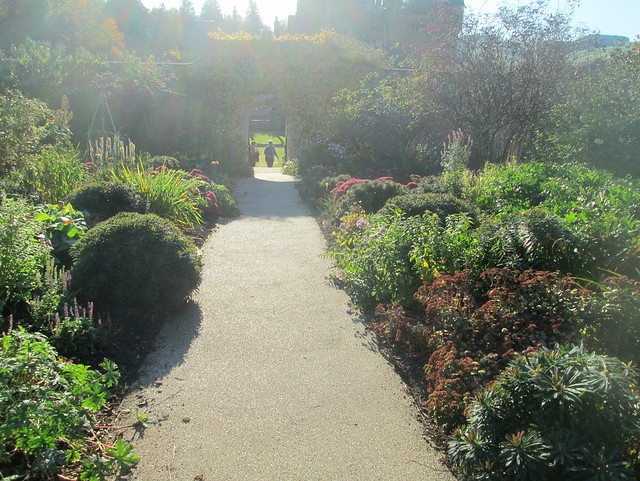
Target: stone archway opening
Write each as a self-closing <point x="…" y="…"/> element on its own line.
<point x="265" y="120"/>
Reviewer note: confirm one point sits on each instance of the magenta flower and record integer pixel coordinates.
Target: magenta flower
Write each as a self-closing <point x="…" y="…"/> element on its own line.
<point x="212" y="200"/>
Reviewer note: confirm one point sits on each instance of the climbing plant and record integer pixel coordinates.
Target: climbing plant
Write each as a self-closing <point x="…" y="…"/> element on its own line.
<point x="303" y="73"/>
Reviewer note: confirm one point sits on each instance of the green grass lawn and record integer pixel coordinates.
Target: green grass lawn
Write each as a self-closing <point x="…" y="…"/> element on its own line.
<point x="263" y="139"/>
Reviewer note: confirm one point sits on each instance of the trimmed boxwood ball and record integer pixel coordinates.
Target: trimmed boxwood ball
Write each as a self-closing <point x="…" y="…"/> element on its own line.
<point x="106" y="199"/>
<point x="417" y="204"/>
<point x="135" y="261"/>
<point x="371" y="195"/>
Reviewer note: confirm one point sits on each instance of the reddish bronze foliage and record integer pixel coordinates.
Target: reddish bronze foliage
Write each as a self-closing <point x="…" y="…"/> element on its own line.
<point x="473" y="327"/>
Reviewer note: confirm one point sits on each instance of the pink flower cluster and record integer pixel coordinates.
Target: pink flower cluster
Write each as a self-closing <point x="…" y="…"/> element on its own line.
<point x="212" y="200"/>
<point x="342" y="187"/>
<point x="200" y="175"/>
<point x="90" y="167"/>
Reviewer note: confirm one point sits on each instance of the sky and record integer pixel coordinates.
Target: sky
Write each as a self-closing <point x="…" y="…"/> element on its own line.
<point x="611" y="17"/>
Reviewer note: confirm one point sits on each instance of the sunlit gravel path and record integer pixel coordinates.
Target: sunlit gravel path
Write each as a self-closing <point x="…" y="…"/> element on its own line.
<point x="265" y="376"/>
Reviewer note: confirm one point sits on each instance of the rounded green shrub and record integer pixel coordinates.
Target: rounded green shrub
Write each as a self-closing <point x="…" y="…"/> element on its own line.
<point x="414" y="204"/>
<point x="135" y="261"/>
<point x="164" y="161"/>
<point x="106" y="199"/>
<point x="371" y="195"/>
<point x="432" y="184"/>
<point x="562" y="414"/>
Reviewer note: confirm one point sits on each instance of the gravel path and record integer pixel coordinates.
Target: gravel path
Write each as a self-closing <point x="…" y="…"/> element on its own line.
<point x="265" y="376"/>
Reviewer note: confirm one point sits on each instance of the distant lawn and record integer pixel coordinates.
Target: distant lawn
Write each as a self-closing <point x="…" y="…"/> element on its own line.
<point x="262" y="140"/>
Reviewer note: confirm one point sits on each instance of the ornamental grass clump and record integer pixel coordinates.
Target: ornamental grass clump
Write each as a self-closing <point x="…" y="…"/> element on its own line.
<point x="171" y="194"/>
<point x="456" y="152"/>
<point x="560" y="414"/>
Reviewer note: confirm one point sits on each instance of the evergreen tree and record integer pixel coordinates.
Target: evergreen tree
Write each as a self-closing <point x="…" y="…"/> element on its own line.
<point x="253" y="22"/>
<point x="23" y="18"/>
<point x="211" y="11"/>
<point x="187" y="10"/>
<point x="134" y="21"/>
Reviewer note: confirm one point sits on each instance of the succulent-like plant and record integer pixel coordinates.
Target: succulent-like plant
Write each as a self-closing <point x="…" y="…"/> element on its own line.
<point x="559" y="414"/>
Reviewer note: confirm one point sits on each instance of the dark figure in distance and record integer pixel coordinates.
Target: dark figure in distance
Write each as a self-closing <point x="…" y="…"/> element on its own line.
<point x="254" y="154"/>
<point x="270" y="153"/>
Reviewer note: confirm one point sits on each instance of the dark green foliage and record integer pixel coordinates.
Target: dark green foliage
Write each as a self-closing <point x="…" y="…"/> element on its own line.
<point x="135" y="261"/>
<point x="164" y="161"/>
<point x="534" y="239"/>
<point x="443" y="205"/>
<point x="613" y="325"/>
<point x="370" y="195"/>
<point x="604" y="209"/>
<point x="432" y="184"/>
<point x="47" y="405"/>
<point x="556" y="415"/>
<point x="106" y="199"/>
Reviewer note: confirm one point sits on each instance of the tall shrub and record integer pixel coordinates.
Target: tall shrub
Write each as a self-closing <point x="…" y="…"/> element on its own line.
<point x="23" y="251"/>
<point x="26" y="127"/>
<point x="53" y="174"/>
